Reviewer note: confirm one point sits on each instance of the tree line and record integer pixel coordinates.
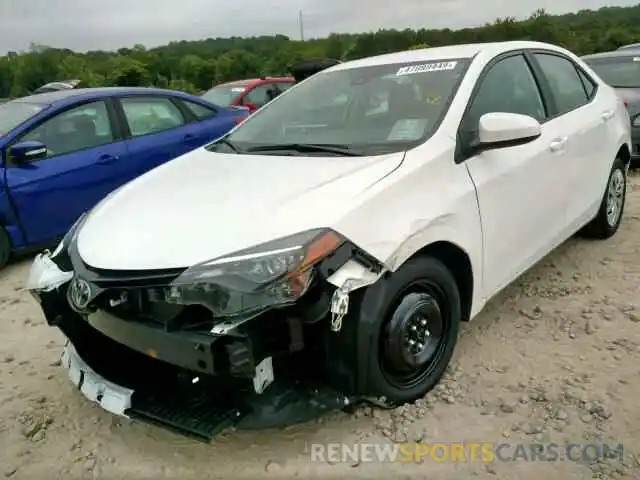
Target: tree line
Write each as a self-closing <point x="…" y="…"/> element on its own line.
<point x="194" y="66"/>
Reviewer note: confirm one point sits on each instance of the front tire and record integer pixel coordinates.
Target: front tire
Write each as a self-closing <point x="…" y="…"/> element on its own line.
<point x="607" y="221"/>
<point x="415" y="332"/>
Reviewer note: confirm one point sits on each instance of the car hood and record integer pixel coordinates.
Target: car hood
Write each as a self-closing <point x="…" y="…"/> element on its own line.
<point x="204" y="205"/>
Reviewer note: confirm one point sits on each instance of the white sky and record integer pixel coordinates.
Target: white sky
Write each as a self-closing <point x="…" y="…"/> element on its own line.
<point x="109" y="24"/>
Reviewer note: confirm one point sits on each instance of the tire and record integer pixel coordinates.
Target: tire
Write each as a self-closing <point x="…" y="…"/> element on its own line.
<point x="423" y="288"/>
<point x="5" y="248"/>
<point x="607" y="221"/>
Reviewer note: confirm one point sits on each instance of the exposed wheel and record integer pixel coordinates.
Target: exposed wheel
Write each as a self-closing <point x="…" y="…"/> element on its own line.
<point x="5" y="248"/>
<point x="609" y="216"/>
<point x="416" y="329"/>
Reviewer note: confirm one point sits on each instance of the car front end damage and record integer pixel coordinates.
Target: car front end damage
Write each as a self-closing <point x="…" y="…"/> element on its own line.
<point x="247" y="340"/>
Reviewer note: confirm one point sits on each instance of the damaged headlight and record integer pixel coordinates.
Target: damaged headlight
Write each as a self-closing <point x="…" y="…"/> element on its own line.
<point x="273" y="274"/>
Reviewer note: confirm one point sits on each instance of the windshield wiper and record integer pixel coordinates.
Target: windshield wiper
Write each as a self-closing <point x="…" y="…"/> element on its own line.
<point x="308" y="147"/>
<point x="224" y="141"/>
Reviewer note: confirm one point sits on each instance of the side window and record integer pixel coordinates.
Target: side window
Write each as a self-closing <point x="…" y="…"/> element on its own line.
<point x="200" y="111"/>
<point x="259" y="96"/>
<point x="77" y="129"/>
<point x="564" y="81"/>
<point x="283" y="86"/>
<point x="509" y="87"/>
<point x="588" y="84"/>
<point x="146" y="115"/>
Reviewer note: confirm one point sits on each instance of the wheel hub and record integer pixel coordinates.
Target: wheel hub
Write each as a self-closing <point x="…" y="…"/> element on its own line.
<point x="615" y="197"/>
<point x="413" y="334"/>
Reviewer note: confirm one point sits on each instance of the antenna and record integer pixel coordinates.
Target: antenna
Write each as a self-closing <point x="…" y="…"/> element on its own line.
<point x="301" y="26"/>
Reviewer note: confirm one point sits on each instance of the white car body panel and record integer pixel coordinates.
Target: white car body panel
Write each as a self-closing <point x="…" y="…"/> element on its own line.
<point x="505" y="208"/>
<point x="156" y="221"/>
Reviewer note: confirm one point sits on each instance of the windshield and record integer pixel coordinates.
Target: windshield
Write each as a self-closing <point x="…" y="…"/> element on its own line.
<point x="372" y="110"/>
<point x="224" y="95"/>
<point x="14" y="113"/>
<point x="621" y="72"/>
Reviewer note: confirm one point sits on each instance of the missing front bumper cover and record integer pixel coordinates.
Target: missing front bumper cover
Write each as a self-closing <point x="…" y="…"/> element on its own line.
<point x="204" y="412"/>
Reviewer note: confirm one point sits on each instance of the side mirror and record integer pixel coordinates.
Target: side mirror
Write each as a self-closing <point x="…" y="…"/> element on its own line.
<point x="501" y="130"/>
<point x="27" y="151"/>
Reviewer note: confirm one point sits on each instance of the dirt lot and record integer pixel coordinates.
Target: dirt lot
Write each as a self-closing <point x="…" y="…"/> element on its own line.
<point x="555" y="359"/>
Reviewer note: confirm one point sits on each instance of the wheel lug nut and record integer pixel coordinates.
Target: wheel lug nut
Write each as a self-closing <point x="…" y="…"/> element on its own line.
<point x="423" y="322"/>
<point x="414" y="328"/>
<point x="412" y="342"/>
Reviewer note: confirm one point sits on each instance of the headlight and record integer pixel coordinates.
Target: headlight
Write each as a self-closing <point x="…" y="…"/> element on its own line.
<point x="635" y="121"/>
<point x="272" y="274"/>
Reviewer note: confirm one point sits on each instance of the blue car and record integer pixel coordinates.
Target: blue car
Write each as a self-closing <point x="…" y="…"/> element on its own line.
<point x="62" y="152"/>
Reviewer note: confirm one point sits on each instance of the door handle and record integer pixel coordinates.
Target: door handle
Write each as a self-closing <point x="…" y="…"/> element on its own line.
<point x="607" y="115"/>
<point x="103" y="159"/>
<point x="558" y="144"/>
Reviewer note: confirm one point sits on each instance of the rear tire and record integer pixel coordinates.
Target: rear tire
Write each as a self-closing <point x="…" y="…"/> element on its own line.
<point x="5" y="248"/>
<point x="607" y="221"/>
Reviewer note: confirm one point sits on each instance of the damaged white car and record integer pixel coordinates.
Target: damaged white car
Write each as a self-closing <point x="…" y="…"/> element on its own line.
<point x="325" y="251"/>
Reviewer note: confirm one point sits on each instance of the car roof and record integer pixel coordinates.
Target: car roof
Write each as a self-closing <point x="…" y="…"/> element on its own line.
<point x="625" y="52"/>
<point x="468" y="50"/>
<point x="82" y="93"/>
<point x="631" y="46"/>
<point x="255" y="81"/>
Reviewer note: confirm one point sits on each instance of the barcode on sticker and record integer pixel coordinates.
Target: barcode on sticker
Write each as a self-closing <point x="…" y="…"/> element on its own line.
<point x="427" y="67"/>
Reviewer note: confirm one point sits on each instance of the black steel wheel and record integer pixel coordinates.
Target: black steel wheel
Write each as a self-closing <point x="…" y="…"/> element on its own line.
<point x="415" y="329"/>
<point x="413" y="339"/>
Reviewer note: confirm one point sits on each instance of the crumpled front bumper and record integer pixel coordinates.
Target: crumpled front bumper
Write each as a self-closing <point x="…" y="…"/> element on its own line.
<point x="127" y="382"/>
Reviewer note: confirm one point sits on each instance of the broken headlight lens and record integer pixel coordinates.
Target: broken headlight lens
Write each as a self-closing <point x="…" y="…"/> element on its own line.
<point x="273" y="274"/>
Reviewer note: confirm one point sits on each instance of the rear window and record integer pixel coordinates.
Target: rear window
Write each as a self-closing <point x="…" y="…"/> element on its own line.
<point x="14" y="113"/>
<point x="620" y="72"/>
<point x="224" y="95"/>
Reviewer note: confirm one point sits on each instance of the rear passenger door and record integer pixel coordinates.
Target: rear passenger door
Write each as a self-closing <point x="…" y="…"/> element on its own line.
<point x="520" y="224"/>
<point x="582" y="123"/>
<point x="157" y="131"/>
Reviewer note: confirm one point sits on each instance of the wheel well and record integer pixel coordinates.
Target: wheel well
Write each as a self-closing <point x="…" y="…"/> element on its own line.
<point x="624" y="154"/>
<point x="457" y="261"/>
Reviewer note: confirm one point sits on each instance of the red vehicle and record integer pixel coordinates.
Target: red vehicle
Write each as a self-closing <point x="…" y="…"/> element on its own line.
<point x="252" y="93"/>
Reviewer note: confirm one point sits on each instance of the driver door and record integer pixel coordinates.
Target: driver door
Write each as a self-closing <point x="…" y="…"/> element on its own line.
<point x="82" y="166"/>
<point x="522" y="189"/>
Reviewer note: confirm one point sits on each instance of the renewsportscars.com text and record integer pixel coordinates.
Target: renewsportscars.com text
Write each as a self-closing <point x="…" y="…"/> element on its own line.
<point x="464" y="452"/>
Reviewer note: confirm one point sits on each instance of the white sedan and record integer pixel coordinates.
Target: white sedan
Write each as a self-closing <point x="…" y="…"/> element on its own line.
<point x="341" y="234"/>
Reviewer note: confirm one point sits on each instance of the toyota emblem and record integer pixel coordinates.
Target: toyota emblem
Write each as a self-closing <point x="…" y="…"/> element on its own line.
<point x="80" y="293"/>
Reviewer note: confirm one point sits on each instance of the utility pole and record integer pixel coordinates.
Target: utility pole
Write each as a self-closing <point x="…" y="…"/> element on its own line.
<point x="301" y="26"/>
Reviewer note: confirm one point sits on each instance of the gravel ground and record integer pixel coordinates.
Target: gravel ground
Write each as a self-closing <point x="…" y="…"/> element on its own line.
<point x="553" y="359"/>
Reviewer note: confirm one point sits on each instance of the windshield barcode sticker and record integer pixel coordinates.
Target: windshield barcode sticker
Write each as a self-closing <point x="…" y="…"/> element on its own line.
<point x="427" y="67"/>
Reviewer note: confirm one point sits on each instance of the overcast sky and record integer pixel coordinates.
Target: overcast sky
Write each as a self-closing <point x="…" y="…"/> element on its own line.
<point x="109" y="24"/>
